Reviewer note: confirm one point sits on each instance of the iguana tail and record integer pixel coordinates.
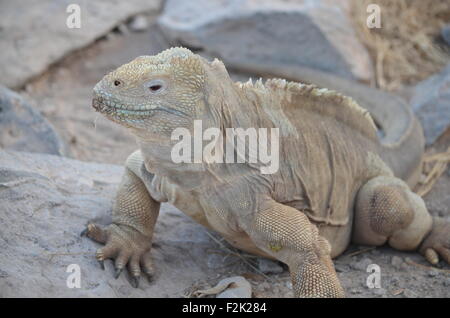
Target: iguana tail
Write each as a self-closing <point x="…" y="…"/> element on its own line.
<point x="400" y="132"/>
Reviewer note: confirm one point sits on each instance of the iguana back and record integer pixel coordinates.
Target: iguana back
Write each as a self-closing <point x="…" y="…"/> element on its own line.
<point x="399" y="131"/>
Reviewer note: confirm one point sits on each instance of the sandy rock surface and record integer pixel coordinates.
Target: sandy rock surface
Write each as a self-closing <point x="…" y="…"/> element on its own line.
<point x="431" y="103"/>
<point x="317" y="34"/>
<point x="28" y="56"/>
<point x="23" y="128"/>
<point x="47" y="200"/>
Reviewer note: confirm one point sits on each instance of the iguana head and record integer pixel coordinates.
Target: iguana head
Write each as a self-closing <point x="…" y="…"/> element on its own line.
<point x="153" y="95"/>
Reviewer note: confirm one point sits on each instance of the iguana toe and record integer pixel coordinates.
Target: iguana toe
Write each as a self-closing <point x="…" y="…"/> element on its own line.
<point x="95" y="232"/>
<point x="102" y="264"/>
<point x="127" y="246"/>
<point x="437" y="243"/>
<point x="135" y="281"/>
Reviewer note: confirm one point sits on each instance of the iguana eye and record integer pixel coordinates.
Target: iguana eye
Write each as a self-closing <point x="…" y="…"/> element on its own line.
<point x="156" y="86"/>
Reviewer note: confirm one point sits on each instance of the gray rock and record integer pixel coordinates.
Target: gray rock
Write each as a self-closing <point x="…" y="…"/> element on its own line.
<point x="446" y="281"/>
<point x="239" y="288"/>
<point x="341" y="268"/>
<point x="123" y="29"/>
<point x="433" y="273"/>
<point x="355" y="291"/>
<point x="289" y="284"/>
<point x="379" y="291"/>
<point x="45" y="202"/>
<point x="431" y="103"/>
<point x="36" y="34"/>
<point x="362" y="264"/>
<point x="23" y="128"/>
<point x="215" y="261"/>
<point x="395" y="281"/>
<point x="397" y="262"/>
<point x="231" y="287"/>
<point x="317" y="34"/>
<point x="268" y="266"/>
<point x="139" y="23"/>
<point x="410" y="294"/>
<point x="445" y="33"/>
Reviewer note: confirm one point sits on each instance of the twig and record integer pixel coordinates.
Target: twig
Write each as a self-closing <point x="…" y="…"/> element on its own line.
<point x="51" y="255"/>
<point x="364" y="250"/>
<point x="241" y="257"/>
<point x="411" y="262"/>
<point x="440" y="165"/>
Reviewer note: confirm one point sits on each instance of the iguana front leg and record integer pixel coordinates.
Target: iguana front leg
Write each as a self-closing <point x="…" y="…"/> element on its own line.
<point x="289" y="236"/>
<point x="129" y="238"/>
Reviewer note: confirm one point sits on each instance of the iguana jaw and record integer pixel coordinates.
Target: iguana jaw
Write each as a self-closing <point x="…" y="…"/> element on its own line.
<point x="117" y="111"/>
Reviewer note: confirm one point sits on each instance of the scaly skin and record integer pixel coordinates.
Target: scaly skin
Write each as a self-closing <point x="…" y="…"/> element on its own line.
<point x="336" y="181"/>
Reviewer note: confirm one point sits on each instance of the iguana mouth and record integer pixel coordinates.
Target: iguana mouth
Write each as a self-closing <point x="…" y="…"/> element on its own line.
<point x="115" y="108"/>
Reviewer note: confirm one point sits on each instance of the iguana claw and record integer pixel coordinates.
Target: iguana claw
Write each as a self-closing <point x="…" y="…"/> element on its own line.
<point x="135" y="281"/>
<point x="118" y="272"/>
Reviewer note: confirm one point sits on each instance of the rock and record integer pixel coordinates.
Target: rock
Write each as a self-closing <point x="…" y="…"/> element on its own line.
<point x="139" y="23"/>
<point x="215" y="261"/>
<point x="396" y="262"/>
<point x="375" y="252"/>
<point x="446" y="281"/>
<point x="45" y="202"/>
<point x="445" y="33"/>
<point x="268" y="266"/>
<point x="30" y="53"/>
<point x="238" y="287"/>
<point x="289" y="284"/>
<point x="123" y="29"/>
<point x="410" y="294"/>
<point x="433" y="273"/>
<point x="232" y="287"/>
<point x="395" y="281"/>
<point x="341" y="268"/>
<point x="23" y="128"/>
<point x="431" y="103"/>
<point x="362" y="264"/>
<point x="379" y="291"/>
<point x="317" y="34"/>
<point x="355" y="291"/>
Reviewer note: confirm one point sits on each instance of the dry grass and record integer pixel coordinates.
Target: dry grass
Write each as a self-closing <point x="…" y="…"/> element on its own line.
<point x="433" y="167"/>
<point x="405" y="49"/>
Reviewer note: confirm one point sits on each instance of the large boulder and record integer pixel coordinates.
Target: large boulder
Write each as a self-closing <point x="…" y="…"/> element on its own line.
<point x="34" y="34"/>
<point x="316" y="34"/>
<point x="23" y="128"/>
<point x="45" y="202"/>
<point x="431" y="103"/>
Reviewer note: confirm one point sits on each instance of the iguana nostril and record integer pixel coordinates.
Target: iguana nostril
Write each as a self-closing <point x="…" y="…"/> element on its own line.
<point x="117" y="83"/>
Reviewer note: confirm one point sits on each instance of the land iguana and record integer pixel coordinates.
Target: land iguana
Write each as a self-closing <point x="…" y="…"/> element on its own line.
<point x="339" y="181"/>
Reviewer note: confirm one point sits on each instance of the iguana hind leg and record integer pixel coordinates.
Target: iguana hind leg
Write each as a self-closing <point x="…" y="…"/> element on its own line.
<point x="287" y="234"/>
<point x="387" y="210"/>
<point x="128" y="239"/>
